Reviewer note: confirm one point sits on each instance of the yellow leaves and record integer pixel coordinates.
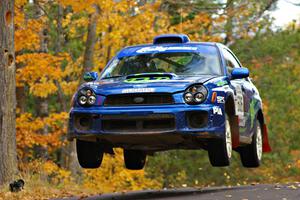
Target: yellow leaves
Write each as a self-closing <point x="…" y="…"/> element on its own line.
<point x="26" y="31"/>
<point x="69" y="88"/>
<point x="298" y="164"/>
<point x="49" y="167"/>
<point x="123" y="23"/>
<point x="56" y="174"/>
<point x="21" y="2"/>
<point x="199" y="28"/>
<point x="43" y="89"/>
<point x="29" y="129"/>
<point x="74" y="24"/>
<point x="39" y="72"/>
<point x="80" y="5"/>
<point x="296" y="158"/>
<point x="114" y="177"/>
<point x="38" y="65"/>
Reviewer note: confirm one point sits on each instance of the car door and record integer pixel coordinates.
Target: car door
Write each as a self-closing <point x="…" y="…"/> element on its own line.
<point x="243" y="95"/>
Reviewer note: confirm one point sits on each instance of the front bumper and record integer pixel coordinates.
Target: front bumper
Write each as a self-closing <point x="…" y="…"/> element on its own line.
<point x="104" y="122"/>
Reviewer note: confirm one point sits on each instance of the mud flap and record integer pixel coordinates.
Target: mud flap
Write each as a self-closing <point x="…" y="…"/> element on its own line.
<point x="234" y="126"/>
<point x="266" y="145"/>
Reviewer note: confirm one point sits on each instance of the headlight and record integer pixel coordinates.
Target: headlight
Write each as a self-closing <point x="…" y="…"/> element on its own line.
<point x="188" y="97"/>
<point x="195" y="94"/>
<point x="198" y="97"/>
<point x="91" y="100"/>
<point x="82" y="100"/>
<point x="86" y="97"/>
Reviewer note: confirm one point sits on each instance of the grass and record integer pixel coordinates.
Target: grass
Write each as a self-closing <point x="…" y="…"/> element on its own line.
<point x="38" y="188"/>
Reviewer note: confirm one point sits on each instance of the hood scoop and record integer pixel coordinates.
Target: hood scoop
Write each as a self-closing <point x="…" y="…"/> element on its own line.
<point x="149" y="77"/>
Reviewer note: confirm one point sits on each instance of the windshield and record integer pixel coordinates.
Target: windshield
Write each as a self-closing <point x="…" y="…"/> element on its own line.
<point x="179" y="63"/>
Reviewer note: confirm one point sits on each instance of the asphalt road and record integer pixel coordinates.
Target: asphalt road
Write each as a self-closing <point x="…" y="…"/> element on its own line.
<point x="253" y="192"/>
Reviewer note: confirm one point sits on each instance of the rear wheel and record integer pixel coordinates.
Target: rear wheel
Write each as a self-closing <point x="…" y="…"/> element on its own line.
<point x="134" y="159"/>
<point x="220" y="151"/>
<point x="89" y="154"/>
<point x="251" y="154"/>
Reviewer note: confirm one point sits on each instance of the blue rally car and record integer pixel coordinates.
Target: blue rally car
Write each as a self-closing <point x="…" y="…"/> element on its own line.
<point x="172" y="94"/>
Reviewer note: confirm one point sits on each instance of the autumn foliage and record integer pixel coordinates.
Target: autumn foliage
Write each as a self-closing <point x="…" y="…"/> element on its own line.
<point x="50" y="40"/>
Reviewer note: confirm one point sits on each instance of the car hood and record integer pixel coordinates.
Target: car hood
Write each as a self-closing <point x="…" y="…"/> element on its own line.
<point x="121" y="86"/>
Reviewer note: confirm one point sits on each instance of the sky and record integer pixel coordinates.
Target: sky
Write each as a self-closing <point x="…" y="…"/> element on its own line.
<point x="286" y="12"/>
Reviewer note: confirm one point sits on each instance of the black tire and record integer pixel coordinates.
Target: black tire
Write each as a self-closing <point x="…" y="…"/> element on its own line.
<point x="134" y="159"/>
<point x="218" y="152"/>
<point x="89" y="154"/>
<point x="251" y="154"/>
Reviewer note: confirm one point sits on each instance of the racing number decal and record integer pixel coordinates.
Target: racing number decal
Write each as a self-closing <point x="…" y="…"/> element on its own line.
<point x="239" y="105"/>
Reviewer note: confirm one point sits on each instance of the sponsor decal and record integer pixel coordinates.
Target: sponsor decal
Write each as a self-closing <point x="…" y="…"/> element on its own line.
<point x="217" y="110"/>
<point x="161" y="49"/>
<point x="220" y="99"/>
<point x="138" y="99"/>
<point x="252" y="111"/>
<point x="239" y="101"/>
<point x="221" y="83"/>
<point x="242" y="120"/>
<point x="239" y="106"/>
<point x="146" y="79"/>
<point x="138" y="90"/>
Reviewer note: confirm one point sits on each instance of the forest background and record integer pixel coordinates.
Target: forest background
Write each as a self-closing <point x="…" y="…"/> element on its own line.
<point x="56" y="41"/>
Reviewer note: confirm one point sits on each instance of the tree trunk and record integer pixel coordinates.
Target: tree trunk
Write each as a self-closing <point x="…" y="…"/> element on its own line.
<point x="8" y="156"/>
<point x="88" y="63"/>
<point x="58" y="48"/>
<point x="72" y="163"/>
<point x="43" y="102"/>
<point x="68" y="158"/>
<point x="21" y="98"/>
<point x="108" y="55"/>
<point x="60" y="35"/>
<point x="229" y="25"/>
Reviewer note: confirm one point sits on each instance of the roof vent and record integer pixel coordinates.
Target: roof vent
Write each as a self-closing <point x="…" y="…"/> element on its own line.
<point x="171" y="38"/>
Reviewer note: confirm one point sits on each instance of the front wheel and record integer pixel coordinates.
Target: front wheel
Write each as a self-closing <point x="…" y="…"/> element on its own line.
<point x="251" y="154"/>
<point x="134" y="159"/>
<point x="89" y="154"/>
<point x="220" y="151"/>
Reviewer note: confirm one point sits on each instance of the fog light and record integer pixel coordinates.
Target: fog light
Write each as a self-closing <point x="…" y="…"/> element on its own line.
<point x="197" y="119"/>
<point x="83" y="123"/>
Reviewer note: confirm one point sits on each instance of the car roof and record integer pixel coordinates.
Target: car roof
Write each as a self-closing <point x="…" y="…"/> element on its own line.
<point x="131" y="50"/>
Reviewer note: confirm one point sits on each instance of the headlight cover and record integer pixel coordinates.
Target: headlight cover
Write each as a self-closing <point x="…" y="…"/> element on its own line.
<point x="86" y="97"/>
<point x="195" y="94"/>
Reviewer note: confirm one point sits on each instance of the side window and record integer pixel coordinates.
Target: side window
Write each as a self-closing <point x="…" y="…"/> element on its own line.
<point x="231" y="62"/>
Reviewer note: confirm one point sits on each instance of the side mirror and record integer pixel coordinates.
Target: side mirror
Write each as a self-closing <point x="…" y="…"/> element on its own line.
<point x="238" y="73"/>
<point x="90" y="76"/>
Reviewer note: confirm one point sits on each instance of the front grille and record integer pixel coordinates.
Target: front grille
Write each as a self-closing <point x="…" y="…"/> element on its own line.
<point x="125" y="123"/>
<point x="138" y="99"/>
